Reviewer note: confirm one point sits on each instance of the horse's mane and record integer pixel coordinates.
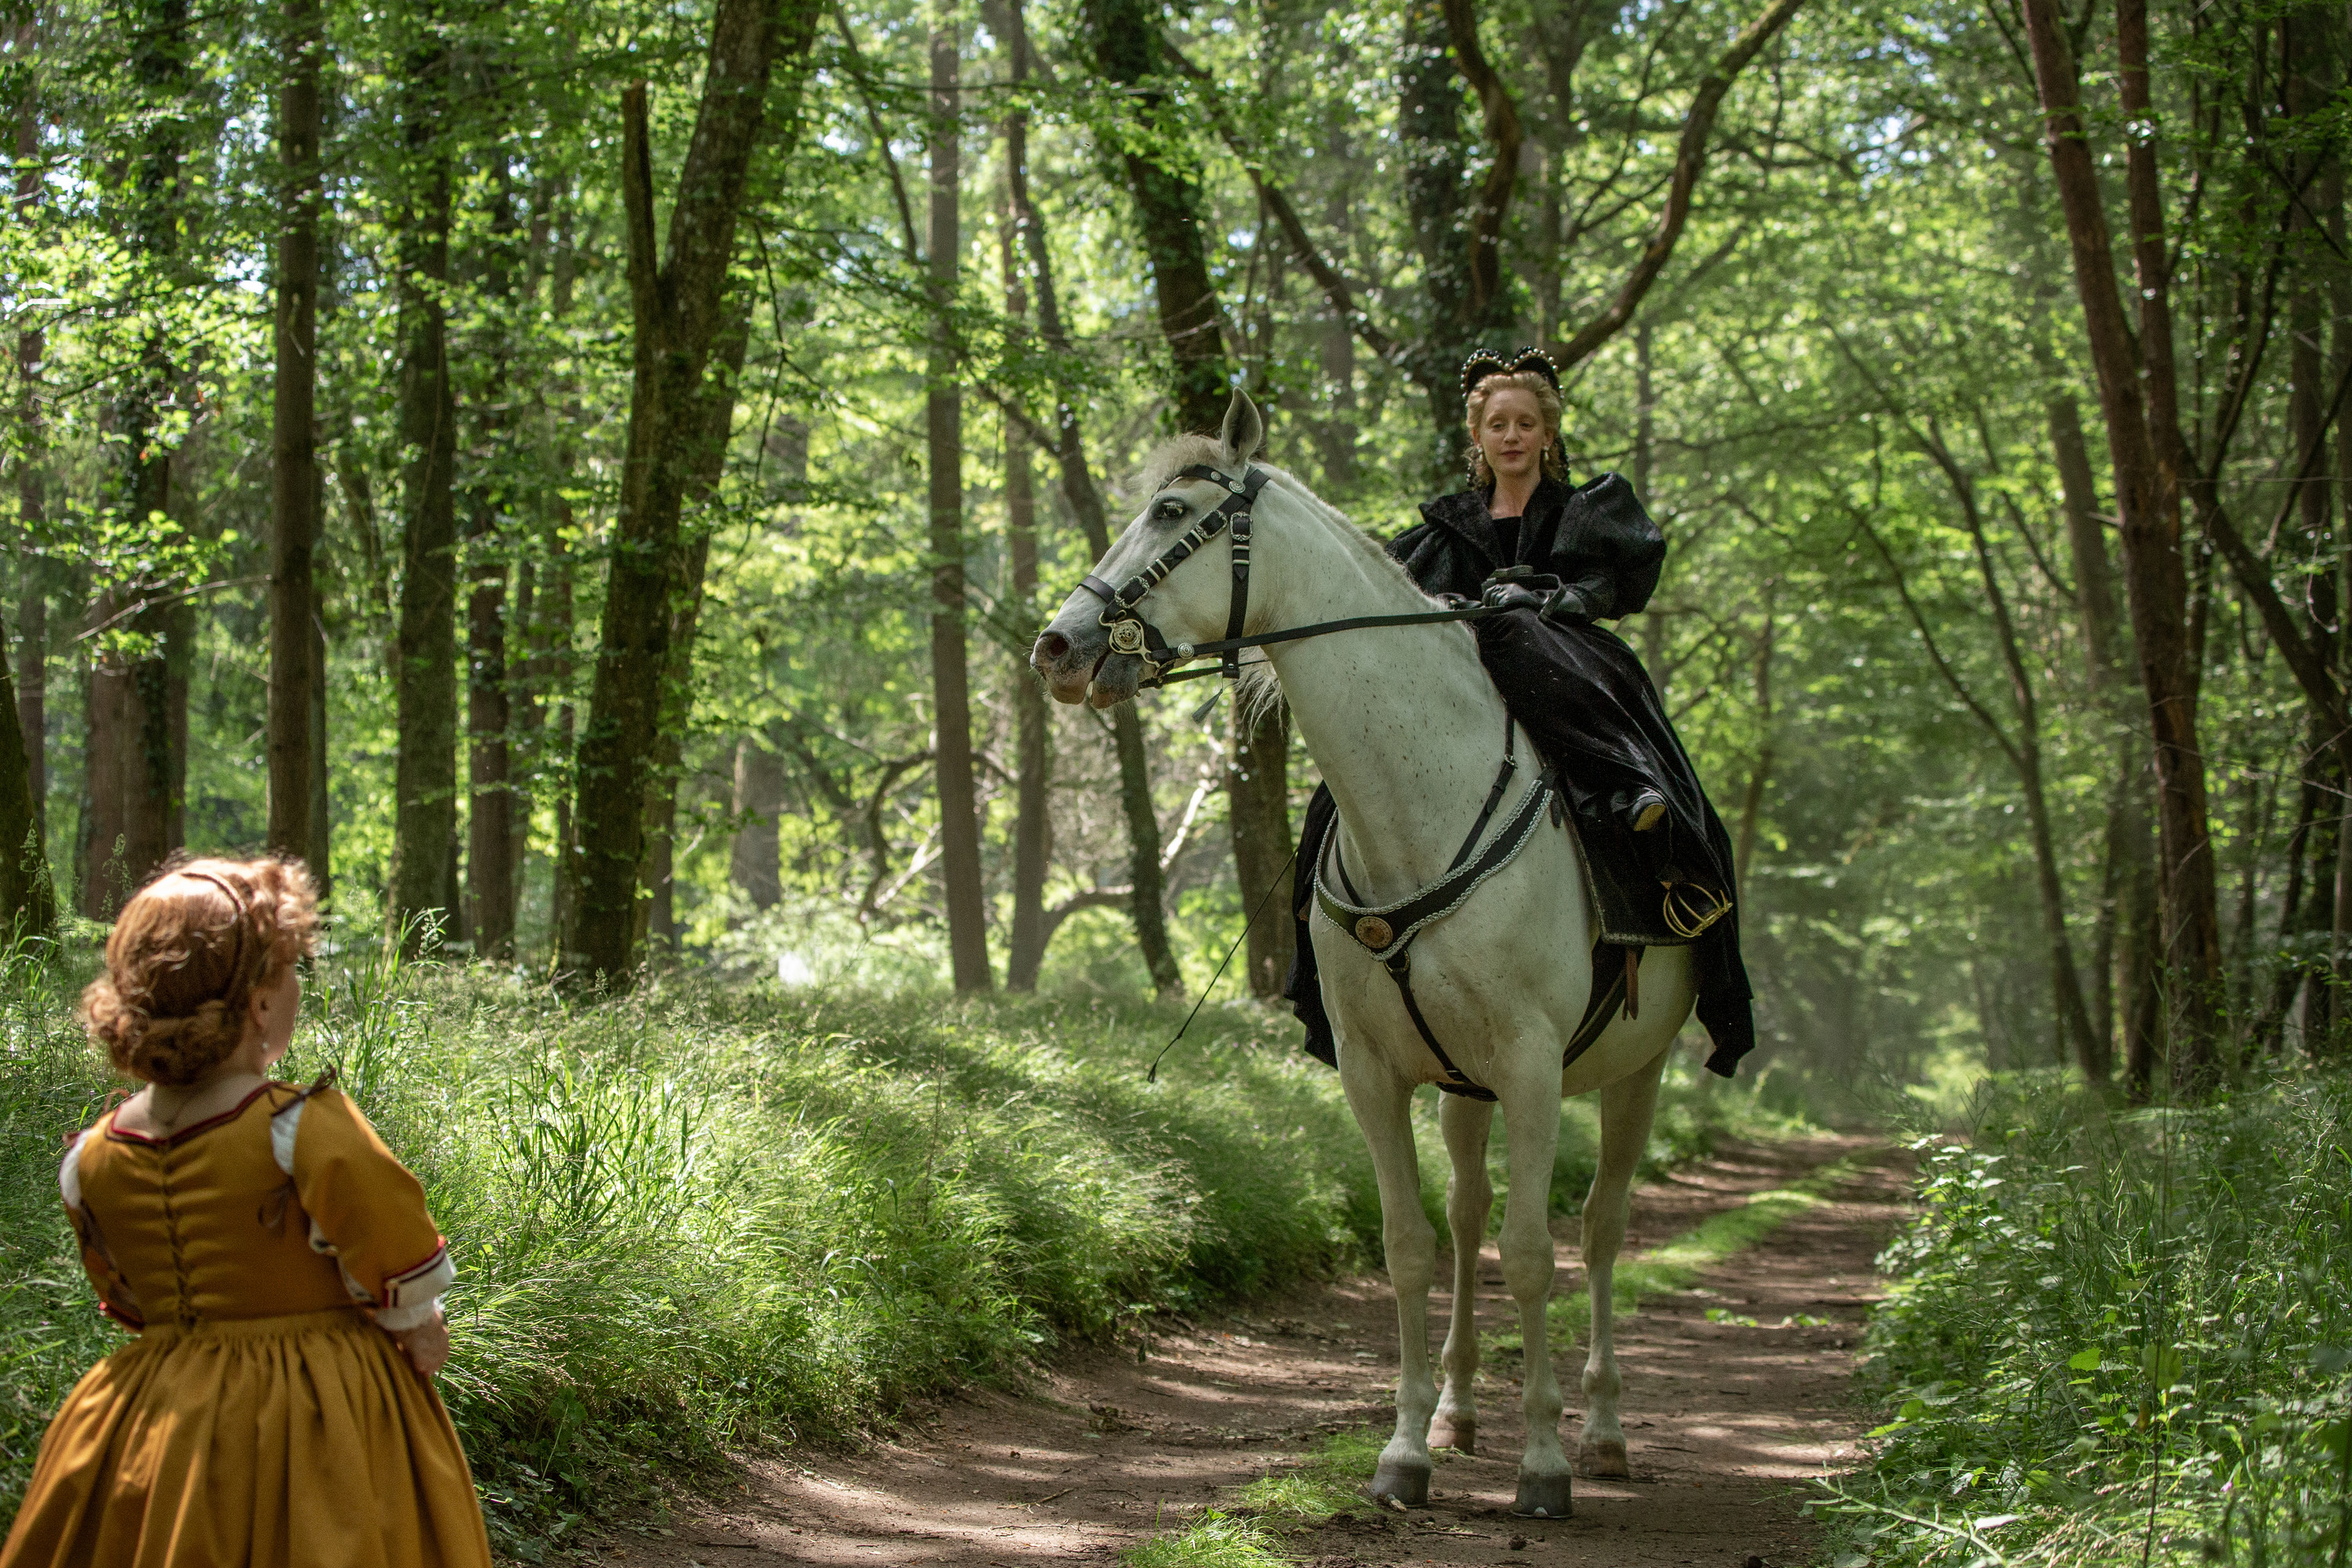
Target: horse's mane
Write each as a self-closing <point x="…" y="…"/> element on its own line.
<point x="1258" y="693"/>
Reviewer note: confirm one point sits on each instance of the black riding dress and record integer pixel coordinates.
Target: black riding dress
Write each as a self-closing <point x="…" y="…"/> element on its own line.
<point x="1581" y="693"/>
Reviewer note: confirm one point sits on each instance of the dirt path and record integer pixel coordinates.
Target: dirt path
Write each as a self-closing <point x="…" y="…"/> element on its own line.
<point x="1725" y="1420"/>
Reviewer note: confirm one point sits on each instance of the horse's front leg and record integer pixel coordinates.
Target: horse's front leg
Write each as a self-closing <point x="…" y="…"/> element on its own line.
<point x="1383" y="1108"/>
<point x="1469" y="1196"/>
<point x="1531" y="1128"/>
<point x="1627" y="1108"/>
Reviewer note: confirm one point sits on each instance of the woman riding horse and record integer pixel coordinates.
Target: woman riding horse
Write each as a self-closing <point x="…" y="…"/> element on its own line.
<point x="1556" y="559"/>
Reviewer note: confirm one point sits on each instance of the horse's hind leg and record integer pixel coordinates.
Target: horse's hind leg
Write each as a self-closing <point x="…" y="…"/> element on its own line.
<point x="1468" y="1198"/>
<point x="1383" y="1108"/>
<point x="1627" y="1108"/>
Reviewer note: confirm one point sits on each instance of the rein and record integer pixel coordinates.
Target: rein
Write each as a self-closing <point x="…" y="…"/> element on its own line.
<point x="1387" y="931"/>
<point x="1131" y="634"/>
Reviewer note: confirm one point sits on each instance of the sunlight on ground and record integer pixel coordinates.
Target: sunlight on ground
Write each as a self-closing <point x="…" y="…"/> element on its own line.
<point x="1677" y="1265"/>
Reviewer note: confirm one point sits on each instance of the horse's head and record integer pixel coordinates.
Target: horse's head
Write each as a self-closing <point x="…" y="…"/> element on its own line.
<point x="1189" y="604"/>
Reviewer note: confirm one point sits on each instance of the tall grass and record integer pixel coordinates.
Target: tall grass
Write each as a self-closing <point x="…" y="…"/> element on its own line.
<point x="2120" y="1337"/>
<point x="708" y="1218"/>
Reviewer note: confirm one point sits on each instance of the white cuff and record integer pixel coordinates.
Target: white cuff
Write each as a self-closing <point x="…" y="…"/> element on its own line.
<point x="400" y="1320"/>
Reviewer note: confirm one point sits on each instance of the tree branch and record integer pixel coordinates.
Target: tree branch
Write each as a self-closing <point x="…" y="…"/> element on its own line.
<point x="1502" y="124"/>
<point x="638" y="205"/>
<point x="1327" y="277"/>
<point x="881" y="139"/>
<point x="1690" y="159"/>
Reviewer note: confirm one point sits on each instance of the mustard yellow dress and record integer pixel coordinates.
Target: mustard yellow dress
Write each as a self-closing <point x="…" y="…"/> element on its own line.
<point x="262" y="1417"/>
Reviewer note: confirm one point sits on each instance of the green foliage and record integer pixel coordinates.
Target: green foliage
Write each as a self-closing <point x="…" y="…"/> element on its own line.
<point x="706" y="1220"/>
<point x="1330" y="1480"/>
<point x="2119" y="1335"/>
<point x="1214" y="1540"/>
<point x="51" y="1331"/>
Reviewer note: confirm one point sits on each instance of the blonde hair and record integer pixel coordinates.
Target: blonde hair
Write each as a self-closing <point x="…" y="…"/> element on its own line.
<point x="186" y="955"/>
<point x="1547" y="403"/>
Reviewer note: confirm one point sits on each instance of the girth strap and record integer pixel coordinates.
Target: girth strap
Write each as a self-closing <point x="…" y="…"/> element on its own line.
<point x="1455" y="1080"/>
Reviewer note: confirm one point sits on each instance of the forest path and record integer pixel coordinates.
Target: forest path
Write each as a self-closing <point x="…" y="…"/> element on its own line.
<point x="1725" y="1419"/>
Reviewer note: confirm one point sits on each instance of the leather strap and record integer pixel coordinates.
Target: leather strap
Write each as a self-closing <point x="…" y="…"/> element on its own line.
<point x="1455" y="1080"/>
<point x="1384" y="929"/>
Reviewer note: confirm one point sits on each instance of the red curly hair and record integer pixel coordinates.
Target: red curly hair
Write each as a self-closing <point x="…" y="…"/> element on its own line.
<point x="187" y="953"/>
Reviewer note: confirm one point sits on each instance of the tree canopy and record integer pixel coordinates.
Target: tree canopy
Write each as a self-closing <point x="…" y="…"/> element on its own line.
<point x="706" y="404"/>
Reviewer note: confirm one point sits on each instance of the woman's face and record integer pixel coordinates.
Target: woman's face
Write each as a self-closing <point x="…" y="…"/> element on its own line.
<point x="1511" y="434"/>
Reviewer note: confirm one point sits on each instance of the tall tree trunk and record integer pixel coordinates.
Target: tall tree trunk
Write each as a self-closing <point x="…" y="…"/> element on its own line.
<point x="1125" y="41"/>
<point x="424" y="773"/>
<point x="132" y="726"/>
<point x="1148" y="901"/>
<point x="32" y="657"/>
<point x="319" y="853"/>
<point x="1258" y="790"/>
<point x="2307" y="46"/>
<point x="2148" y="496"/>
<point x="959" y="874"/>
<point x="695" y="524"/>
<point x="1125" y="38"/>
<point x="1031" y="828"/>
<point x="1751" y="800"/>
<point x="2129" y="927"/>
<point x="27" y="903"/>
<point x="679" y="307"/>
<point x="760" y="781"/>
<point x="294" y="469"/>
<point x="492" y="892"/>
<point x="2024" y="754"/>
<point x="759" y="800"/>
<point x="548" y="691"/>
<point x="32" y="510"/>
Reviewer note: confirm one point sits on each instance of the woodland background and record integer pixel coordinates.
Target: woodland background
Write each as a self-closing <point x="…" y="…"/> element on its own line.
<point x="587" y="476"/>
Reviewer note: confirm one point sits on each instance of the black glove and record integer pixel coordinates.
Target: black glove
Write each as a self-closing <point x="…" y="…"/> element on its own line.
<point x="1567" y="606"/>
<point x="1513" y="596"/>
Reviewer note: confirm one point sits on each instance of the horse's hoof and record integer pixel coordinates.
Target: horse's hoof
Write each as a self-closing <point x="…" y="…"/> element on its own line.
<point x="1404" y="1482"/>
<point x="1456" y="1432"/>
<point x="1604" y="1457"/>
<point x="1544" y="1496"/>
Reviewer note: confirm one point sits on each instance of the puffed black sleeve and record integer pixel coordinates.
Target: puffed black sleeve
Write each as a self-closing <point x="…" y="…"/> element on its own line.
<point x="1605" y="534"/>
<point x="1436" y="558"/>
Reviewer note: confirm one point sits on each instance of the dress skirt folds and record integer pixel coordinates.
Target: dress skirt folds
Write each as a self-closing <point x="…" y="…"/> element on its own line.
<point x="263" y="1418"/>
<point x="293" y="1442"/>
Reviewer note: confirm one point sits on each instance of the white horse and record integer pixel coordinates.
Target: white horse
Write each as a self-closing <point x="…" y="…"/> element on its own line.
<point x="1409" y="731"/>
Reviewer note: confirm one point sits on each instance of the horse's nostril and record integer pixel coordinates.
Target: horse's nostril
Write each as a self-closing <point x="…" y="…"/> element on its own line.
<point x="1053" y="646"/>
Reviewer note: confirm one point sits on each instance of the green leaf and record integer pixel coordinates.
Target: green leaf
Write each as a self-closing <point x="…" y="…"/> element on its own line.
<point x="2085" y="1361"/>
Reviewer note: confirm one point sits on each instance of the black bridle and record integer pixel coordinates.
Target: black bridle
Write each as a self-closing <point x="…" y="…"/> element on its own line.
<point x="1131" y="634"/>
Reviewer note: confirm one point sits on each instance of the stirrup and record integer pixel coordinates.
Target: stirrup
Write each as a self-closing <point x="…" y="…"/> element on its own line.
<point x="1705" y="906"/>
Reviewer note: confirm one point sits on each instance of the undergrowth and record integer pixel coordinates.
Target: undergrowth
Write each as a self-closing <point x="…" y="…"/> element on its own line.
<point x="2119" y="1336"/>
<point x="708" y="1219"/>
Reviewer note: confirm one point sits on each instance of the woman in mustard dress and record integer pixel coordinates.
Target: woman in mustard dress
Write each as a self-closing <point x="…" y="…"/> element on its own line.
<point x="276" y="1262"/>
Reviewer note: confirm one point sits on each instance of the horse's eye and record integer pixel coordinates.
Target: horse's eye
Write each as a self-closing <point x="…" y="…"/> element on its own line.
<point x="1170" y="509"/>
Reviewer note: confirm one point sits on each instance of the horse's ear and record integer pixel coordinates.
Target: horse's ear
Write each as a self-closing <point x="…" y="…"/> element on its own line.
<point x="1245" y="430"/>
